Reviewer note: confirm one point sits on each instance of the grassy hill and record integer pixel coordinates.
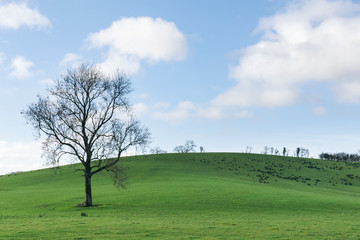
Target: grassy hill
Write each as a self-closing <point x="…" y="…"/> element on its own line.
<point x="188" y="196"/>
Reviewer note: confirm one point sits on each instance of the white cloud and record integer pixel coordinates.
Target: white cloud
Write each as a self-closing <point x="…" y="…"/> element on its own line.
<point x="348" y="91"/>
<point x="214" y="112"/>
<point x="211" y="112"/>
<point x="243" y="114"/>
<point x="19" y="156"/>
<point x="14" y="15"/>
<point x="70" y="59"/>
<point x="117" y="61"/>
<point x="141" y="96"/>
<point x="319" y="110"/>
<point x="47" y="81"/>
<point x="132" y="40"/>
<point x="162" y="105"/>
<point x="20" y="66"/>
<point x="139" y="108"/>
<point x="313" y="40"/>
<point x="181" y="112"/>
<point x="185" y="110"/>
<point x="253" y="94"/>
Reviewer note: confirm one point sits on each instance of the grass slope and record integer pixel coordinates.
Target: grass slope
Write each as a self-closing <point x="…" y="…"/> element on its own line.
<point x="189" y="196"/>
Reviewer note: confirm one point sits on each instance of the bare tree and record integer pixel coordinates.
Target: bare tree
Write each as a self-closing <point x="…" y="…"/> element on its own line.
<point x="266" y="150"/>
<point x="179" y="149"/>
<point x="87" y="116"/>
<point x="157" y="150"/>
<point x="189" y="146"/>
<point x="272" y="150"/>
<point x="248" y="149"/>
<point x="304" y="152"/>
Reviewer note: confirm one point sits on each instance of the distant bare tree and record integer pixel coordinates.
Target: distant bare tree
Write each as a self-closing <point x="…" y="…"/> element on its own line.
<point x="266" y="150"/>
<point x="271" y="150"/>
<point x="157" y="150"/>
<point x="248" y="149"/>
<point x="189" y="146"/>
<point x="87" y="116"/>
<point x="302" y="152"/>
<point x="179" y="149"/>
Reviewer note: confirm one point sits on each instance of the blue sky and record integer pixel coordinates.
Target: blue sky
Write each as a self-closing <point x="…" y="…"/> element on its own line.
<point x="226" y="74"/>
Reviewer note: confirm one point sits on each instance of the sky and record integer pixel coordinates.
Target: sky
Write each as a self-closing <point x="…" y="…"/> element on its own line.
<point x="229" y="75"/>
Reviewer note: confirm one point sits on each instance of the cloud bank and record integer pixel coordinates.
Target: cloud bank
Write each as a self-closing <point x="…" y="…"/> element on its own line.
<point x="129" y="41"/>
<point x="15" y="15"/>
<point x="19" y="156"/>
<point x="311" y="41"/>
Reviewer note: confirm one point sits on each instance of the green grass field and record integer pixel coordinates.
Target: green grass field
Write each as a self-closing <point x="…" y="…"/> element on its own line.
<point x="188" y="196"/>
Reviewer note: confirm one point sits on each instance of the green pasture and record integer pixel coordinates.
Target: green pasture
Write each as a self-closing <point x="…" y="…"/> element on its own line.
<point x="188" y="196"/>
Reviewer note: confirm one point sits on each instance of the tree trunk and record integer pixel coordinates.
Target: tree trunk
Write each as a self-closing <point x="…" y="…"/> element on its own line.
<point x="88" y="198"/>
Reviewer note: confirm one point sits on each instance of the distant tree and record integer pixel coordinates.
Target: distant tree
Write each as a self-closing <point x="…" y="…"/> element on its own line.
<point x="248" y="149"/>
<point x="305" y="152"/>
<point x="323" y="156"/>
<point x="87" y="116"/>
<point x="272" y="150"/>
<point x="342" y="156"/>
<point x="276" y="152"/>
<point x="302" y="152"/>
<point x="179" y="149"/>
<point x="157" y="150"/>
<point x="189" y="146"/>
<point x="266" y="150"/>
<point x="284" y="151"/>
<point x="201" y="149"/>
